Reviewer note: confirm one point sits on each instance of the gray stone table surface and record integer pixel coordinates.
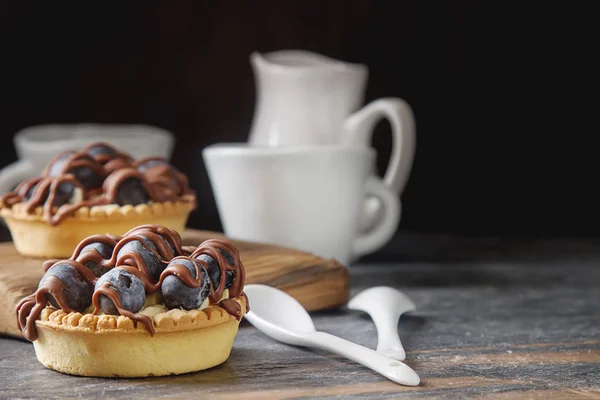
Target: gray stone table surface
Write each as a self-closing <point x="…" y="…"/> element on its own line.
<point x="521" y="328"/>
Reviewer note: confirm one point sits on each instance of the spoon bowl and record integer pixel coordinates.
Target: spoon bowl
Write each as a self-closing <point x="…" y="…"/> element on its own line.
<point x="279" y="308"/>
<point x="281" y="317"/>
<point x="380" y="297"/>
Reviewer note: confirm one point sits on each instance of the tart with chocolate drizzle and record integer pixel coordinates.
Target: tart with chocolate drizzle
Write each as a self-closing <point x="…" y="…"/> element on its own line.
<point x="136" y="305"/>
<point x="98" y="189"/>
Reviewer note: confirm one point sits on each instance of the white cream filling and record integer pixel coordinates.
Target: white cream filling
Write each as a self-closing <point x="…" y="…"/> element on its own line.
<point x="77" y="196"/>
<point x="225" y="295"/>
<point x="153" y="310"/>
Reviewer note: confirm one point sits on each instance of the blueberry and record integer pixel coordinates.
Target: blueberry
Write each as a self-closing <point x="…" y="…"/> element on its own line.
<point x="143" y="165"/>
<point x="101" y="151"/>
<point x="79" y="292"/>
<point x="177" y="294"/>
<point x="131" y="191"/>
<point x="102" y="249"/>
<point x="84" y="174"/>
<point x="87" y="176"/>
<point x="55" y="168"/>
<point x="154" y="265"/>
<point x="215" y="272"/>
<point x="30" y="192"/>
<point x="115" y="164"/>
<point x="129" y="288"/>
<point x="64" y="193"/>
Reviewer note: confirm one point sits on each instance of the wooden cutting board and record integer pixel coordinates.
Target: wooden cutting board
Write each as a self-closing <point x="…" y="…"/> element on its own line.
<point x="317" y="283"/>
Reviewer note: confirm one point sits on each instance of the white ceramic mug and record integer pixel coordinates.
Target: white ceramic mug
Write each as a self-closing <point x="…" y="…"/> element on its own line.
<point x="305" y="197"/>
<point x="37" y="145"/>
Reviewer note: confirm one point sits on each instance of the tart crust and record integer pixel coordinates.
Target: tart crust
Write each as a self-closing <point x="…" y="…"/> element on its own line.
<point x="34" y="237"/>
<point x="116" y="346"/>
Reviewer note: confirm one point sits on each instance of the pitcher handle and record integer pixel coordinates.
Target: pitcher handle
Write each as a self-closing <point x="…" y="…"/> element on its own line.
<point x="13" y="174"/>
<point x="358" y="129"/>
<point x="382" y="232"/>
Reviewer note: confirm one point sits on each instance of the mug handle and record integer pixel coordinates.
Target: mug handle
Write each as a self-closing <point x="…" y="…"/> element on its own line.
<point x="13" y="174"/>
<point x="385" y="228"/>
<point x="358" y="130"/>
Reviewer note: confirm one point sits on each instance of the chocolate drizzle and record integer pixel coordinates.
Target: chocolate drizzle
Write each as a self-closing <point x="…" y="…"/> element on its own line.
<point x="168" y="247"/>
<point x="162" y="182"/>
<point x="211" y="248"/>
<point x="29" y="308"/>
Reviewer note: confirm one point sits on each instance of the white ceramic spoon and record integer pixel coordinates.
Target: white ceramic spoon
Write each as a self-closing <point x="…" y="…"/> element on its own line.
<point x="385" y="305"/>
<point x="280" y="316"/>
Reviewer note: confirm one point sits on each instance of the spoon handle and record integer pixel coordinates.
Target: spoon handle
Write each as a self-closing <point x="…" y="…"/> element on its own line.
<point x="386" y="366"/>
<point x="388" y="340"/>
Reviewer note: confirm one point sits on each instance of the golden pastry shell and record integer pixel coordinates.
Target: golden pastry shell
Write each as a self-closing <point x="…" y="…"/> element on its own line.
<point x="175" y="320"/>
<point x="112" y="212"/>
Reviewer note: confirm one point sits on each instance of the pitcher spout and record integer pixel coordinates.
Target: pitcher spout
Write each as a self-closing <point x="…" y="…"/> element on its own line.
<point x="294" y="60"/>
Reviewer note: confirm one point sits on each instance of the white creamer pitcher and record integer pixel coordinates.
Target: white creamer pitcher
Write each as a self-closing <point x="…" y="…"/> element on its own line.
<point x="304" y="98"/>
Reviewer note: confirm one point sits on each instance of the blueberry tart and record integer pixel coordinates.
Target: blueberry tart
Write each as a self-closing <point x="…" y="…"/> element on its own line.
<point x="136" y="305"/>
<point x="96" y="190"/>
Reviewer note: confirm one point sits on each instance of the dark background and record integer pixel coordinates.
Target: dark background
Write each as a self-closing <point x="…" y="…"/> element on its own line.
<point x="504" y="93"/>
